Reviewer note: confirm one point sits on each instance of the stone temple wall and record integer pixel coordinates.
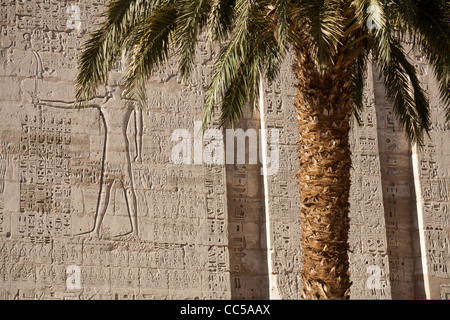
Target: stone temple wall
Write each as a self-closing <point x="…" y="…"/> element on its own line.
<point x="94" y="205"/>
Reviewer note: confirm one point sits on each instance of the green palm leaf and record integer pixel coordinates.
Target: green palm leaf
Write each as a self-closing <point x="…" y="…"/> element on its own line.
<point x="106" y="44"/>
<point x="333" y="42"/>
<point x="150" y="41"/>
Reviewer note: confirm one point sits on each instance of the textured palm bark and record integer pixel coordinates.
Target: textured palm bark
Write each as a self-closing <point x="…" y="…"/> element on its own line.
<point x="324" y="107"/>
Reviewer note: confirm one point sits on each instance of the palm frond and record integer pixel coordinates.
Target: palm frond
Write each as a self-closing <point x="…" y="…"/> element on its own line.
<point x="358" y="70"/>
<point x="322" y="22"/>
<point x="240" y="92"/>
<point x="193" y="15"/>
<point x="221" y="19"/>
<point x="235" y="83"/>
<point x="255" y="35"/>
<point x="106" y="44"/>
<point x="427" y="24"/>
<point x="226" y="66"/>
<point x="381" y="32"/>
<point x="262" y="54"/>
<point x="403" y="88"/>
<point x="281" y="16"/>
<point x="151" y="47"/>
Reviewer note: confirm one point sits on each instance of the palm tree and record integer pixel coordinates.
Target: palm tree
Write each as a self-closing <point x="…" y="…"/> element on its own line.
<point x="332" y="42"/>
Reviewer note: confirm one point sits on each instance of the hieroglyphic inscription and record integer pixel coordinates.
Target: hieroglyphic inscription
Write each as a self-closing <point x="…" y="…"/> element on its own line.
<point x="284" y="206"/>
<point x="431" y="179"/>
<point x="202" y="227"/>
<point x="45" y="183"/>
<point x="396" y="174"/>
<point x="82" y="176"/>
<point x="248" y="261"/>
<point x="368" y="244"/>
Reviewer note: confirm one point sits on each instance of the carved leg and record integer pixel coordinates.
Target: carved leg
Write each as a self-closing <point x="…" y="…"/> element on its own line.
<point x="2" y="177"/>
<point x="104" y="202"/>
<point x="131" y="203"/>
<point x="138" y="128"/>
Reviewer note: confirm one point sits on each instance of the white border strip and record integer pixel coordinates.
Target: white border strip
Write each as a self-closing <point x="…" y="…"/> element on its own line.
<point x="273" y="287"/>
<point x="420" y="219"/>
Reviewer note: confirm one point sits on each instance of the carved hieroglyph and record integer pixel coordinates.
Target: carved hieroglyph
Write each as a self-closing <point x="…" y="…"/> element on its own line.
<point x="92" y="205"/>
<point x="93" y="191"/>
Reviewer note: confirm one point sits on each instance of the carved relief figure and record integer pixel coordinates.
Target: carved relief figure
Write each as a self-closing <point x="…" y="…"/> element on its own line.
<point x="2" y="172"/>
<point x="117" y="163"/>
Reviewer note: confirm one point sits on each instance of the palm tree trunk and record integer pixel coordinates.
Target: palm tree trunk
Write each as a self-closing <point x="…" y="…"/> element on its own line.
<point x="324" y="107"/>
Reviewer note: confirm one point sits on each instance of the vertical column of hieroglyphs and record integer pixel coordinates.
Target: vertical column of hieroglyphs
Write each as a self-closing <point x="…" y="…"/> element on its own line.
<point x="245" y="193"/>
<point x="91" y="204"/>
<point x="44" y="175"/>
<point x="432" y="182"/>
<point x="398" y="199"/>
<point x="186" y="202"/>
<point x="283" y="192"/>
<point x="36" y="147"/>
<point x="369" y="267"/>
<point x="183" y="206"/>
